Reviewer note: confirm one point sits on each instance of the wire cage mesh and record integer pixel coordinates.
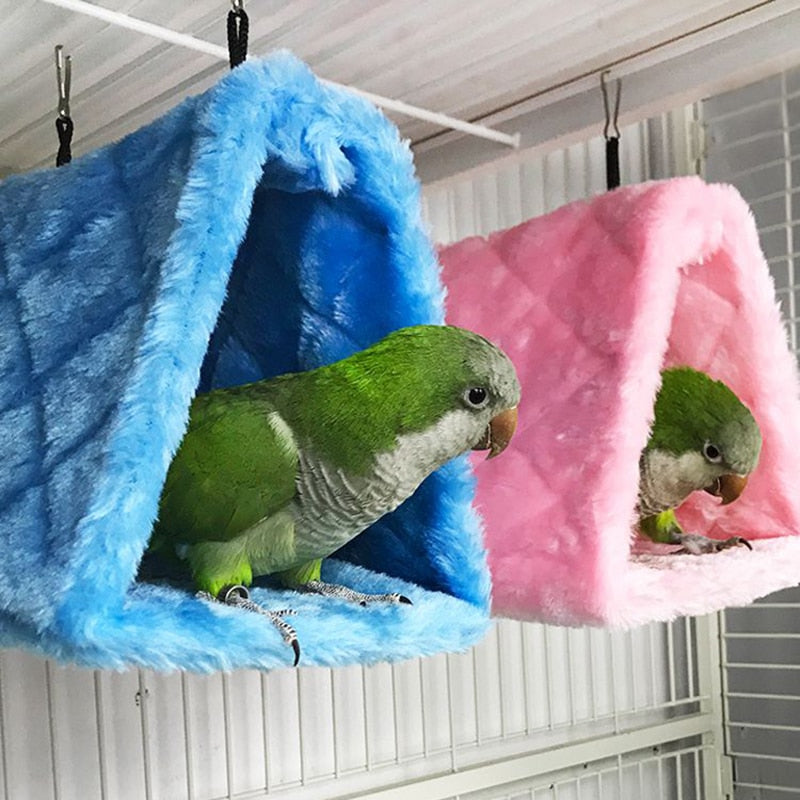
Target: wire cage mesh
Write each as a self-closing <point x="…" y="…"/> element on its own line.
<point x="753" y="141"/>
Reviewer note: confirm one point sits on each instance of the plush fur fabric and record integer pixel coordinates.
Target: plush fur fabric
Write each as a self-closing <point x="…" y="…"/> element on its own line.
<point x="590" y="301"/>
<point x="270" y="224"/>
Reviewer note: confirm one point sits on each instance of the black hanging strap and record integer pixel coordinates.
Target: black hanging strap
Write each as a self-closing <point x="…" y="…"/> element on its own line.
<point x="612" y="162"/>
<point x="612" y="142"/>
<point x="64" y="126"/>
<point x="238" y="28"/>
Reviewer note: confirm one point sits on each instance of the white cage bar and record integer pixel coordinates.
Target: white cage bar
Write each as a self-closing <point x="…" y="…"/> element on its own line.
<point x="753" y="142"/>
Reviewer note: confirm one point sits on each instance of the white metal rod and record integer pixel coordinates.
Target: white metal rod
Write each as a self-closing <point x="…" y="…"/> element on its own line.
<point x="443" y="120"/>
<point x="763" y="696"/>
<point x="759" y="665"/>
<point x="765" y="726"/>
<point x="764" y="786"/>
<point x="217" y="51"/>
<point x="522" y="768"/>
<point x="140" y="26"/>
<point x="751" y="754"/>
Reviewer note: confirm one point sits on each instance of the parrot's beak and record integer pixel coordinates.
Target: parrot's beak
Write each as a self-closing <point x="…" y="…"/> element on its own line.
<point x="728" y="487"/>
<point x="498" y="433"/>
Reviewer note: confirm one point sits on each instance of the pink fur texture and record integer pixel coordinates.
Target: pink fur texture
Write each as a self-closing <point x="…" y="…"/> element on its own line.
<point x="590" y="301"/>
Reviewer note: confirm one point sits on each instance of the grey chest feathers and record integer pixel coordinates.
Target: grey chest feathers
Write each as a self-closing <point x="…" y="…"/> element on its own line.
<point x="666" y="480"/>
<point x="332" y="507"/>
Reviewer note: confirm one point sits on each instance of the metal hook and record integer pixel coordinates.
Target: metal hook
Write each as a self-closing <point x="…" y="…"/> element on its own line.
<point x="609" y="119"/>
<point x="238" y="5"/>
<point x="64" y="80"/>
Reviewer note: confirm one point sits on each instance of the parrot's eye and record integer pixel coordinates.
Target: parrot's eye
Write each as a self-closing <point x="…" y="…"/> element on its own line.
<point x="712" y="453"/>
<point x="477" y="397"/>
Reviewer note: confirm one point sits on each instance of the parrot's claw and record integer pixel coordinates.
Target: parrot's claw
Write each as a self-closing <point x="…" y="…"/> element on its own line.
<point x="697" y="545"/>
<point x="239" y="597"/>
<point x="345" y="593"/>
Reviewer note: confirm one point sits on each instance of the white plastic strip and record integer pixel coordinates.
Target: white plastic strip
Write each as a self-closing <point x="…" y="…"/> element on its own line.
<point x="217" y="51"/>
<point x="140" y="26"/>
<point x="444" y="121"/>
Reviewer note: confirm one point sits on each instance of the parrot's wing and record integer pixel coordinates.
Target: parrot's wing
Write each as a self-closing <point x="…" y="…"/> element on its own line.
<point x="236" y="465"/>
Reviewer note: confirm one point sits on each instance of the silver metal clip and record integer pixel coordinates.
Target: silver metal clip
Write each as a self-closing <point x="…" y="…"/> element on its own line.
<point x="64" y="80"/>
<point x="610" y="121"/>
<point x="238" y="5"/>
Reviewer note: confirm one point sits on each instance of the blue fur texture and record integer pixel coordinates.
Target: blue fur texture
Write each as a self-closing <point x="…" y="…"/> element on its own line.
<point x="270" y="224"/>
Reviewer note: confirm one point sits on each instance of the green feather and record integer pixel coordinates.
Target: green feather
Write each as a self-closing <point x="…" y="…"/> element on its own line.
<point x="661" y="527"/>
<point x="691" y="409"/>
<point x="701" y="431"/>
<point x="230" y="496"/>
<point x="310" y="571"/>
<point x="219" y="484"/>
<point x="398" y="386"/>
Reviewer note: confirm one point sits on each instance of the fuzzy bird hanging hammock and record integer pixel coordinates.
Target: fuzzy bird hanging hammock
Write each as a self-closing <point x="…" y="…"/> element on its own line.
<point x="596" y="297"/>
<point x="269" y="225"/>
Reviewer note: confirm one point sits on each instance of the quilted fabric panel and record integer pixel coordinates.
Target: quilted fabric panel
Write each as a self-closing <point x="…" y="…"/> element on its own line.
<point x="74" y="314"/>
<point x="272" y="223"/>
<point x="590" y="301"/>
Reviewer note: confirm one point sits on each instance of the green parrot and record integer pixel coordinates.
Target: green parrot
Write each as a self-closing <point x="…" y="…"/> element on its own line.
<point x="274" y="476"/>
<point x="702" y="437"/>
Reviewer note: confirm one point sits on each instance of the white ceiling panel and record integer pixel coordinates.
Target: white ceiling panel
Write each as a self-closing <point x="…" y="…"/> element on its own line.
<point x="467" y="58"/>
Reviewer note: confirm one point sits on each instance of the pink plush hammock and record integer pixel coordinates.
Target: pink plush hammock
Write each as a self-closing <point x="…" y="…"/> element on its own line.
<point x="590" y="301"/>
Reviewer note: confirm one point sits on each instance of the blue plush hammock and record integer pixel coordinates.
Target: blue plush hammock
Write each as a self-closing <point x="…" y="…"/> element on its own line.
<point x="268" y="225"/>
